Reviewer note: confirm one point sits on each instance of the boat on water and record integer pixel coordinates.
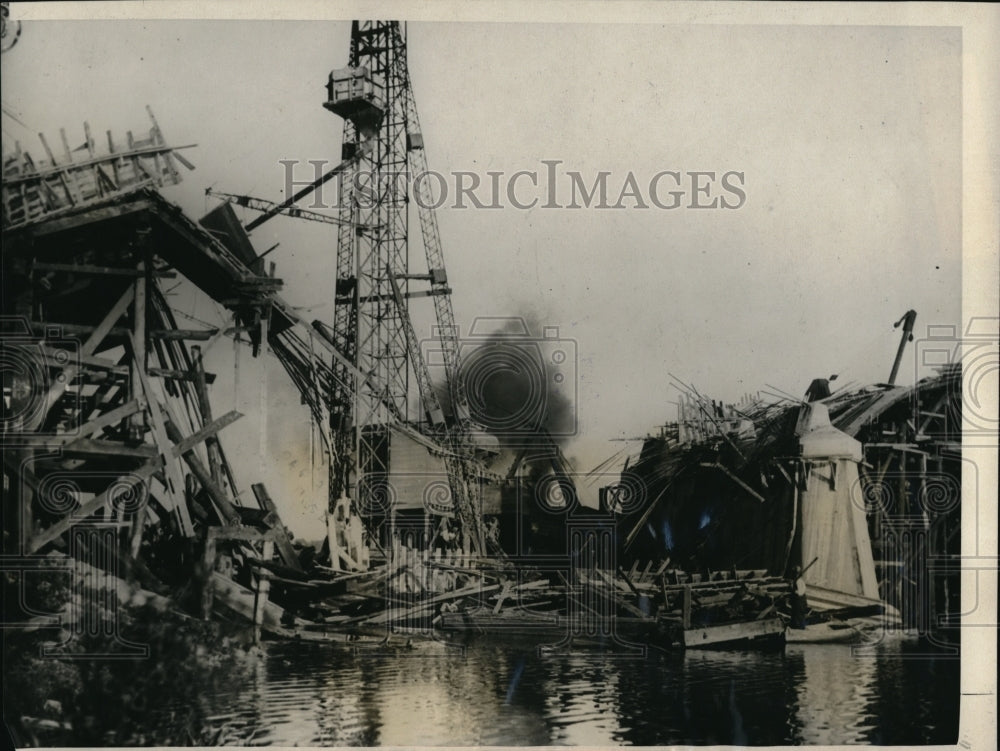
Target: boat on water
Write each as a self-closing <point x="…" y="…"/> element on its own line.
<point x="833" y="632"/>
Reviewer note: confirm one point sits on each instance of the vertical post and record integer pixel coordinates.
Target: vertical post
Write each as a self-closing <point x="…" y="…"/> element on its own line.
<point x="137" y="421"/>
<point x="687" y="607"/>
<point x="263" y="588"/>
<point x="236" y="361"/>
<point x="332" y="540"/>
<point x="264" y="320"/>
<point x="65" y="144"/>
<point x="208" y="586"/>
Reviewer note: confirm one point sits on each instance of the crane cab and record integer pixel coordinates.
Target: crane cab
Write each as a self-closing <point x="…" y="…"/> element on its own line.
<point x="356" y="95"/>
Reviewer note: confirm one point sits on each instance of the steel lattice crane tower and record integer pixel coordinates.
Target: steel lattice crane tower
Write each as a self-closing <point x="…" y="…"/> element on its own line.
<point x="371" y="325"/>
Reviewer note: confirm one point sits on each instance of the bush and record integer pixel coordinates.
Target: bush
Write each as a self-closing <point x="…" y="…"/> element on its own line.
<point x="155" y="700"/>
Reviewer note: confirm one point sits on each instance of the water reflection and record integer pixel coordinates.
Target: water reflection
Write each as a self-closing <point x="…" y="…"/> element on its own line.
<point x="834" y="695"/>
<point x="506" y="694"/>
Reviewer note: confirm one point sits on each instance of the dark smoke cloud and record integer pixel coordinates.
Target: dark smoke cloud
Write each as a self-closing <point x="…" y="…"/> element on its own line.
<point x="510" y="384"/>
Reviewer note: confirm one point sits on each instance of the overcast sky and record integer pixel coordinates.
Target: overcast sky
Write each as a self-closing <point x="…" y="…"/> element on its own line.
<point x="848" y="138"/>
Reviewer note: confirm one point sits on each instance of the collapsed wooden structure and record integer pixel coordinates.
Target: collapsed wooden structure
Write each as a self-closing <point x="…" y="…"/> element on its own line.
<point x="107" y="420"/>
<point x="875" y="499"/>
<point x="108" y="426"/>
<point x="113" y="451"/>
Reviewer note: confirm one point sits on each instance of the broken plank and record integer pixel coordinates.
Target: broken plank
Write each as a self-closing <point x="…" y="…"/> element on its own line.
<point x="387" y="616"/>
<point x="225" y="508"/>
<point x="504" y="593"/>
<point x="185" y="445"/>
<point x="179" y="375"/>
<point x="241" y="600"/>
<point x="285" y="549"/>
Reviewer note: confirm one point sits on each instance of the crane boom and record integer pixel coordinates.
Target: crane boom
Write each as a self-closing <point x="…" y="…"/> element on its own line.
<point x="447" y="330"/>
<point x="265" y="206"/>
<point x="280" y="208"/>
<point x="457" y="462"/>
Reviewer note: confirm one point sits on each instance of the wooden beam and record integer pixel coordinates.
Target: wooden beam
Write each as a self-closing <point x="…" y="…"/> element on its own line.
<point x="201" y="335"/>
<point x="88" y="428"/>
<point x="65" y="143"/>
<point x="183" y="446"/>
<point x="90" y="447"/>
<point x="175" y="482"/>
<point x="105" y="326"/>
<point x="91" y="507"/>
<point x="109" y="158"/>
<point x="138" y="340"/>
<point x="48" y="152"/>
<point x="53" y="226"/>
<point x="205" y="406"/>
<point x="261" y="593"/>
<point x="43" y="328"/>
<point x="725" y="470"/>
<point x="57" y="359"/>
<point x="84" y="268"/>
<point x="103" y="178"/>
<point x="69" y="373"/>
<point x="179" y="375"/>
<point x="62" y="329"/>
<point x="285" y="548"/>
<point x="225" y="507"/>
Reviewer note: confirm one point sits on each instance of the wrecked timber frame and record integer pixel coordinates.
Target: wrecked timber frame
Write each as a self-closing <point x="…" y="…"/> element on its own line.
<point x="113" y="453"/>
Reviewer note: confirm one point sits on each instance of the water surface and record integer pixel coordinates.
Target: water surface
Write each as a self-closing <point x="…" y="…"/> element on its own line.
<point x="508" y="694"/>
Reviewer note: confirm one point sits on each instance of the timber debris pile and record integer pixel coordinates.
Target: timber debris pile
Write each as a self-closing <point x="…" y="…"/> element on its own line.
<point x="439" y="526"/>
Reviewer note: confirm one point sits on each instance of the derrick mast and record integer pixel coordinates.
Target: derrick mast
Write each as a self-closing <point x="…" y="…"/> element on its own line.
<point x="371" y="94"/>
<point x="372" y="325"/>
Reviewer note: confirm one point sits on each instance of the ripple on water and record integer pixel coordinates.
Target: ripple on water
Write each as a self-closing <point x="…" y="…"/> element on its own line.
<point x="508" y="695"/>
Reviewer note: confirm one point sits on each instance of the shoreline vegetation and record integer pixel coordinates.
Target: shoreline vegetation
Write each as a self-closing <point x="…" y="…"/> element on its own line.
<point x="67" y="685"/>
